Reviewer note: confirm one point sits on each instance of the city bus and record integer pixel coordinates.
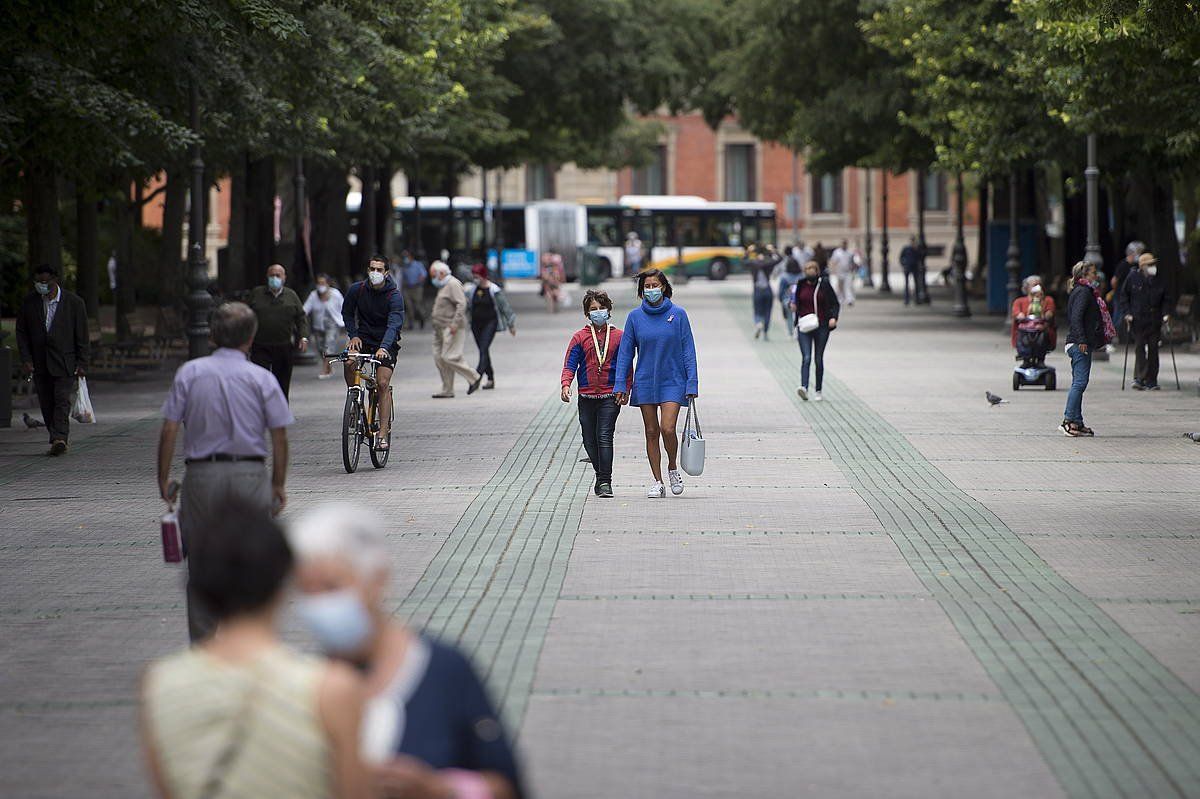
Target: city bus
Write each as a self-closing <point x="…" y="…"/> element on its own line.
<point x="700" y="237"/>
<point x="526" y="231"/>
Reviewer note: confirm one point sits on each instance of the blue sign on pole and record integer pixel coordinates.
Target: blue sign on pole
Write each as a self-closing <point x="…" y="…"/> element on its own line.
<point x="519" y="263"/>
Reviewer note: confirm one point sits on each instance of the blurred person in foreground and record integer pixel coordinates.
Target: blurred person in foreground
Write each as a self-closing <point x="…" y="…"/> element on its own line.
<point x="429" y="728"/>
<point x="1144" y="300"/>
<point x="242" y="714"/>
<point x="227" y="406"/>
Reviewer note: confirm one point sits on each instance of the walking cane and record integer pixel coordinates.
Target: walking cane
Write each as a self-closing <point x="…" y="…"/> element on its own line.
<point x="1171" y="344"/>
<point x="1125" y="368"/>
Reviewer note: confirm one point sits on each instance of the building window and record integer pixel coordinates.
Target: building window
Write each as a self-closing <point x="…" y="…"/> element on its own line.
<point x="539" y="182"/>
<point x="827" y="193"/>
<point x="652" y="178"/>
<point x="936" y="196"/>
<point x="739" y="173"/>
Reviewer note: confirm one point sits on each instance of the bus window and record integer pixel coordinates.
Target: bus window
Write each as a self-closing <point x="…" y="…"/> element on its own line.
<point x="604" y="229"/>
<point x="664" y="235"/>
<point x="688" y="230"/>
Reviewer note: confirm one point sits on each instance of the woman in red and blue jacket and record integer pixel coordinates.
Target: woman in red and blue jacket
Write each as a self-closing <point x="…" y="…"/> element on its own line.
<point x="591" y="358"/>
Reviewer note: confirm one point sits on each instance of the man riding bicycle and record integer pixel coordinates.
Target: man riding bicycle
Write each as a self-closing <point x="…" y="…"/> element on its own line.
<point x="374" y="313"/>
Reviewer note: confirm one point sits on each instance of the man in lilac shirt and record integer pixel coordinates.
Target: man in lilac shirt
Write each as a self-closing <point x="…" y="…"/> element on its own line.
<point x="226" y="405"/>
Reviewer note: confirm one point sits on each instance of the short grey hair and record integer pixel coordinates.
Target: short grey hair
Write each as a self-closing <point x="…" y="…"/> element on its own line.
<point x="341" y="530"/>
<point x="439" y="268"/>
<point x="233" y="325"/>
<point x="1135" y="248"/>
<point x="1028" y="282"/>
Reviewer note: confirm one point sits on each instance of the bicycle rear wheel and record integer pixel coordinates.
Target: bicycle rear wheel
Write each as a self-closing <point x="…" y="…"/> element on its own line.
<point x="379" y="457"/>
<point x="352" y="432"/>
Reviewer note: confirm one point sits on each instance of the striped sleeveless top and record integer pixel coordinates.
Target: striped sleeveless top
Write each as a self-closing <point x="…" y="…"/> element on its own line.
<point x="195" y="703"/>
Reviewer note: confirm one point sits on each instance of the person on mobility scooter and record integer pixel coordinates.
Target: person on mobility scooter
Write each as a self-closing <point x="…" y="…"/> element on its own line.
<point x="1033" y="335"/>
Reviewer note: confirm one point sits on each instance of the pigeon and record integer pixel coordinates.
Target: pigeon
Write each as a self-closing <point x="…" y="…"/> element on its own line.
<point x="993" y="399"/>
<point x="31" y="423"/>
<point x="1193" y="436"/>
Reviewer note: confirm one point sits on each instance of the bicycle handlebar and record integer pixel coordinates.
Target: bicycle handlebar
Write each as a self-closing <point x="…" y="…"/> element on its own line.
<point x="360" y="356"/>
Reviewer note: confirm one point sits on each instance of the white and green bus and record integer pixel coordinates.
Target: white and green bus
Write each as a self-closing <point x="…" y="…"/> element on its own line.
<point x="679" y="233"/>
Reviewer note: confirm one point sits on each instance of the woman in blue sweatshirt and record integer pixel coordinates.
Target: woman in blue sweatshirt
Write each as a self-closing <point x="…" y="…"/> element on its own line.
<point x="660" y="333"/>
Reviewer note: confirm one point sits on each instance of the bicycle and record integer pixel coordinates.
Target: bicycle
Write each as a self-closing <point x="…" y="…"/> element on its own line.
<point x="360" y="417"/>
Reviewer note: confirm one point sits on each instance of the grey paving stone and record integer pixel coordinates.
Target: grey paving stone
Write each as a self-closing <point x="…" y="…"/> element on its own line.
<point x="1171" y="632"/>
<point x="1168" y="569"/>
<point x="899" y="645"/>
<point x="767" y="747"/>
<point x="692" y="564"/>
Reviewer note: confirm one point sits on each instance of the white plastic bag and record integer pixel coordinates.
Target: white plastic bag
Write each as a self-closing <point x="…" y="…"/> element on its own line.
<point x="81" y="408"/>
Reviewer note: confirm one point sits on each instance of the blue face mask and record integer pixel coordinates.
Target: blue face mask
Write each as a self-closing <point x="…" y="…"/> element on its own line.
<point x="652" y="296"/>
<point x="274" y="283"/>
<point x="42" y="288"/>
<point x="337" y="619"/>
<point x="598" y="317"/>
<point x="438" y="281"/>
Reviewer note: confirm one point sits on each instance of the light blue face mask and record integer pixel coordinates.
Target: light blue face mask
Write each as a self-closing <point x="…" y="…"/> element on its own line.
<point x="599" y="316"/>
<point x="42" y="288"/>
<point x="274" y="283"/>
<point x="337" y="619"/>
<point x="438" y="281"/>
<point x="652" y="296"/>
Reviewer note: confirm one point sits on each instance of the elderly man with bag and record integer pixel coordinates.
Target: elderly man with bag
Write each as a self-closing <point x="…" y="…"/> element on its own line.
<point x="227" y="406"/>
<point x="52" y="337"/>
<point x="1144" y="301"/>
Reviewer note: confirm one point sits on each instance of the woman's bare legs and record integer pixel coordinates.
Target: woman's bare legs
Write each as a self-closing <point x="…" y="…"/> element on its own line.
<point x="653" y="451"/>
<point x="670" y="416"/>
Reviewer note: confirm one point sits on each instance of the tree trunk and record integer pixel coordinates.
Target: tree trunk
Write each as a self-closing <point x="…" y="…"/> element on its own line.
<point x="126" y="299"/>
<point x="87" y="280"/>
<point x="260" y="220"/>
<point x="43" y="228"/>
<point x="1154" y="194"/>
<point x="981" y="254"/>
<point x="170" y="254"/>
<point x="383" y="212"/>
<point x="233" y="279"/>
<point x="367" y="227"/>
<point x="327" y="189"/>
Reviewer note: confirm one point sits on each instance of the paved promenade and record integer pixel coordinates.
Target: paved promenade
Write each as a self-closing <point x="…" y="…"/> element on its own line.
<point x="899" y="592"/>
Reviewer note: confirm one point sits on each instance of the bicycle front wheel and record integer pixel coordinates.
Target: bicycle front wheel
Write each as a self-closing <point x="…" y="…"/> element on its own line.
<point x="352" y="432"/>
<point x="379" y="457"/>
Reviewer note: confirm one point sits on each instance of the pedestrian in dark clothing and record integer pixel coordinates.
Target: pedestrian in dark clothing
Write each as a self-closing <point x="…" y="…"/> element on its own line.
<point x="792" y="274"/>
<point x="282" y="326"/>
<point x="414" y="276"/>
<point x="374" y="315"/>
<point x="52" y="338"/>
<point x="1089" y="329"/>
<point x="1144" y="300"/>
<point x="910" y="262"/>
<point x="490" y="313"/>
<point x="813" y="295"/>
<point x="760" y="275"/>
<point x="1121" y="271"/>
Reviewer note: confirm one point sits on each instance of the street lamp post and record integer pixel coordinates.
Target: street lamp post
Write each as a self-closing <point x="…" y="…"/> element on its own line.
<point x="884" y="286"/>
<point x="198" y="301"/>
<point x="922" y="288"/>
<point x="1013" y="264"/>
<point x="961" y="308"/>
<point x="1092" y="177"/>
<point x="869" y="281"/>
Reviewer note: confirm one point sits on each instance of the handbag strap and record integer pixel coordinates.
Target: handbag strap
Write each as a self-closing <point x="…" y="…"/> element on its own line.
<point x="693" y="418"/>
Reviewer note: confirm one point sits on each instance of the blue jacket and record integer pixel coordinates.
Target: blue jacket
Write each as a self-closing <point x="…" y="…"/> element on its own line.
<point x="666" y="355"/>
<point x="374" y="315"/>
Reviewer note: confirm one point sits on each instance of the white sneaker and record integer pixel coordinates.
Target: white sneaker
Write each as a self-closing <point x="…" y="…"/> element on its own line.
<point x="802" y="393"/>
<point x="657" y="491"/>
<point x="817" y="397"/>
<point x="676" y="481"/>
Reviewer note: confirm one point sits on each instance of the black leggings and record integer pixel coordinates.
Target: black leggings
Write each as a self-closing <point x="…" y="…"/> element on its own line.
<point x="484" y="334"/>
<point x="598" y="420"/>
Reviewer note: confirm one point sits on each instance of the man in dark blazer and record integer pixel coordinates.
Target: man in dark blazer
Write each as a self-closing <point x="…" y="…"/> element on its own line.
<point x="52" y="336"/>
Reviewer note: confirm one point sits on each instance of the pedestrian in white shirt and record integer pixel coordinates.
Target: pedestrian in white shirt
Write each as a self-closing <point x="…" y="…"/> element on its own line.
<point x="324" y="309"/>
<point x="841" y="266"/>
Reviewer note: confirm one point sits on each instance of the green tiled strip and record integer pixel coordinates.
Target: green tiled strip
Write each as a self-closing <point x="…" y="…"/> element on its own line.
<point x="770" y="694"/>
<point x="492" y="586"/>
<point x="1107" y="716"/>
<point x="738" y="597"/>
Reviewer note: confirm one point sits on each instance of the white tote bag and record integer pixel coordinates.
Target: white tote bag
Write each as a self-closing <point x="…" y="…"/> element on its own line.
<point x="810" y="321"/>
<point x="692" y="457"/>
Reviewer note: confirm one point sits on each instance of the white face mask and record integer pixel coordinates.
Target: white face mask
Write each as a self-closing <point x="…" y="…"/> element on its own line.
<point x="1151" y="270"/>
<point x="376" y="278"/>
<point x="322" y="289"/>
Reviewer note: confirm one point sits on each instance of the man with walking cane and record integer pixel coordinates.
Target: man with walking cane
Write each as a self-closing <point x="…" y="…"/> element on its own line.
<point x="1144" y="300"/>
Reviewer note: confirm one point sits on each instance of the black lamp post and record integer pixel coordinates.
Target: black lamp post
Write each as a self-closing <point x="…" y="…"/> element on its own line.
<point x="1092" y="177"/>
<point x="198" y="301"/>
<point x="1013" y="264"/>
<point x="922" y="288"/>
<point x="959" y="257"/>
<point x="869" y="281"/>
<point x="884" y="286"/>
